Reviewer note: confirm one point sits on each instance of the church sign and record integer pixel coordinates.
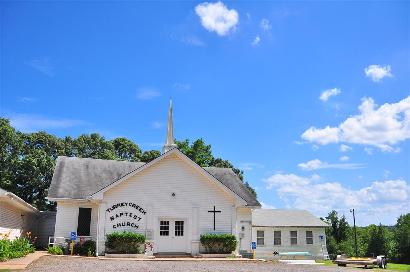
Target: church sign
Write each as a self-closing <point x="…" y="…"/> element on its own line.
<point x="128" y="219"/>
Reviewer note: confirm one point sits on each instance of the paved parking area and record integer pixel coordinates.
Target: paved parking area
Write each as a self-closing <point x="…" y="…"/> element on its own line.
<point x="55" y="263"/>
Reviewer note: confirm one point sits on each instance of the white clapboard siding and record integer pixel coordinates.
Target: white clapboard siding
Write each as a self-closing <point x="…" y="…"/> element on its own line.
<point x="15" y="222"/>
<point x="67" y="218"/>
<point x="195" y="195"/>
<point x="267" y="250"/>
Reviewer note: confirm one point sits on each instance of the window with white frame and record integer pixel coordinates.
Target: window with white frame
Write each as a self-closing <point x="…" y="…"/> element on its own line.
<point x="164" y="228"/>
<point x="293" y="237"/>
<point x="277" y="238"/>
<point x="260" y="237"/>
<point x="309" y="237"/>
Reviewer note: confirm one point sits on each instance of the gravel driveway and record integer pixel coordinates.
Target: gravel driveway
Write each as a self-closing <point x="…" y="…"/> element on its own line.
<point x="53" y="264"/>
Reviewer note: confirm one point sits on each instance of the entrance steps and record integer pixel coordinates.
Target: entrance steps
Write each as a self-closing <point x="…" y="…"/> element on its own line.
<point x="172" y="255"/>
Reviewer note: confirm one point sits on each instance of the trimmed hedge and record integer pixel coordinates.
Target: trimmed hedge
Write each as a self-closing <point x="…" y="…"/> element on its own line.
<point x="55" y="250"/>
<point x="88" y="248"/>
<point x="218" y="243"/>
<point x="125" y="242"/>
<point x="16" y="248"/>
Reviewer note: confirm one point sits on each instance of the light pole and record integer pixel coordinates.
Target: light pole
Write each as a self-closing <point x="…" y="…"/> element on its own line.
<point x="355" y="233"/>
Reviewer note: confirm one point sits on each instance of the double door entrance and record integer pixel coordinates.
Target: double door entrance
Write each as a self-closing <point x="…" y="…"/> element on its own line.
<point x="172" y="235"/>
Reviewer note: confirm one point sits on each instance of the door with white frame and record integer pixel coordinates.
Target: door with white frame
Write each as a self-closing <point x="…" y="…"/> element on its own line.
<point x="172" y="235"/>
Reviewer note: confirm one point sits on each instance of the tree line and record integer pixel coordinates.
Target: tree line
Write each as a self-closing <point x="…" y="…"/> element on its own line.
<point x="372" y="240"/>
<point x="27" y="160"/>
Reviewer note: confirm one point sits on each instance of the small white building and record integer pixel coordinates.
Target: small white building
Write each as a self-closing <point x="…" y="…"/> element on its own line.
<point x="17" y="217"/>
<point x="288" y="232"/>
<point x="171" y="200"/>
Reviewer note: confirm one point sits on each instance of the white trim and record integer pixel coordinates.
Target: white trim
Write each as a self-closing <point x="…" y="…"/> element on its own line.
<point x="17" y="201"/>
<point x="99" y="194"/>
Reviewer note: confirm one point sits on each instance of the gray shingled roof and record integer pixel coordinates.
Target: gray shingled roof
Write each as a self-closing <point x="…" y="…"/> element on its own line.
<point x="78" y="178"/>
<point x="285" y="218"/>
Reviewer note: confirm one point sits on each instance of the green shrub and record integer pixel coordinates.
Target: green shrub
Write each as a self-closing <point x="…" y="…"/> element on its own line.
<point x="16" y="248"/>
<point x="55" y="250"/>
<point x="85" y="249"/>
<point x="218" y="243"/>
<point x="125" y="242"/>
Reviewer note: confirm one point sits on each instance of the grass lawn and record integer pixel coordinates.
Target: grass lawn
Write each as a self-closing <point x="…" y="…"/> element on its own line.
<point x="390" y="266"/>
<point x="397" y="267"/>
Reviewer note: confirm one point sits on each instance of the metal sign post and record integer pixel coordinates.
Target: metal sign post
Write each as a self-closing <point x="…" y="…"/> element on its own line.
<point x="253" y="250"/>
<point x="73" y="237"/>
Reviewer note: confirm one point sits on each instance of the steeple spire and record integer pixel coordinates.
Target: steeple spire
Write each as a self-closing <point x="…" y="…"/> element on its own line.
<point x="169" y="143"/>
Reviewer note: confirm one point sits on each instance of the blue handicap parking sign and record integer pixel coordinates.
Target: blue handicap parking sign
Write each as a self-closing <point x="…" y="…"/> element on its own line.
<point x="73" y="235"/>
<point x="253" y="245"/>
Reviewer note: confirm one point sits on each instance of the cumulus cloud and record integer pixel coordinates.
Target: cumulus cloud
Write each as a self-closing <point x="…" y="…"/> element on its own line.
<point x="344" y="158"/>
<point x="326" y="94"/>
<point x="267" y="206"/>
<point x="265" y="24"/>
<point x="378" y="72"/>
<point x="317" y="164"/>
<point x="384" y="200"/>
<point x="216" y="17"/>
<point x="256" y="41"/>
<point x="382" y="127"/>
<point x="147" y="93"/>
<point x="345" y="148"/>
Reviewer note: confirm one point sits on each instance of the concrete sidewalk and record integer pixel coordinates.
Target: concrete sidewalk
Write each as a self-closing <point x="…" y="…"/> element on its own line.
<point x="23" y="262"/>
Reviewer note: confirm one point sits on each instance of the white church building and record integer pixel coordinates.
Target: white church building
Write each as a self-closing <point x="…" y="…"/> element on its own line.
<point x="171" y="200"/>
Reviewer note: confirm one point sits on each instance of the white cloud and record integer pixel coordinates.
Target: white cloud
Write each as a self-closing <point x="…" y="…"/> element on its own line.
<point x="377" y="72"/>
<point x="265" y="24"/>
<point x="256" y="41"/>
<point x="147" y="93"/>
<point x="321" y="136"/>
<point x="157" y="124"/>
<point x="326" y="94"/>
<point x="216" y="17"/>
<point x="42" y="65"/>
<point x="371" y="202"/>
<point x="318" y="164"/>
<point x="344" y="158"/>
<point x="266" y="206"/>
<point x="345" y="148"/>
<point x="381" y="127"/>
<point x="32" y="123"/>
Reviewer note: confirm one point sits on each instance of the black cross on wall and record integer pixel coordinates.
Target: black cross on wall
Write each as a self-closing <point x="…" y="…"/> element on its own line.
<point x="214" y="211"/>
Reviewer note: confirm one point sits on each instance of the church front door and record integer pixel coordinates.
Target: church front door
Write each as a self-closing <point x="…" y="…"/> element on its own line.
<point x="172" y="235"/>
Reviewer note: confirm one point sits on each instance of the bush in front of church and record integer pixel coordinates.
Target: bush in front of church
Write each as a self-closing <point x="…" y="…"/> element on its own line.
<point x="125" y="243"/>
<point x="87" y="248"/>
<point x="219" y="243"/>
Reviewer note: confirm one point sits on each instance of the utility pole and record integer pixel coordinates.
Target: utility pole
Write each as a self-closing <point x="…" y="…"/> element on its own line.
<point x="355" y="233"/>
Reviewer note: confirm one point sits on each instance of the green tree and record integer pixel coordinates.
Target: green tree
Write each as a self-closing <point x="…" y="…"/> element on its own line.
<point x="10" y="149"/>
<point x="126" y="150"/>
<point x="93" y="146"/>
<point x="150" y="155"/>
<point x="201" y="153"/>
<point x="377" y="244"/>
<point x="402" y="238"/>
<point x="337" y="234"/>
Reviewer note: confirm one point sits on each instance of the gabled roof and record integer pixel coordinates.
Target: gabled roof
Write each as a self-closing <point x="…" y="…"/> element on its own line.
<point x="285" y="218"/>
<point x="79" y="178"/>
<point x="16" y="201"/>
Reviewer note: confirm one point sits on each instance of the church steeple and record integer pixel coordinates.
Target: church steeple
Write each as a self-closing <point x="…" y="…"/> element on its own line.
<point x="169" y="143"/>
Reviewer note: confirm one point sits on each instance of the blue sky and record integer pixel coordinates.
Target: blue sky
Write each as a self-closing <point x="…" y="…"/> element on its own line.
<point x="311" y="99"/>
